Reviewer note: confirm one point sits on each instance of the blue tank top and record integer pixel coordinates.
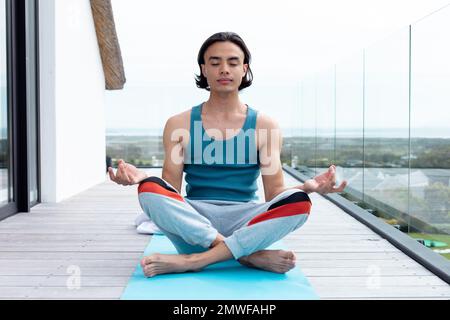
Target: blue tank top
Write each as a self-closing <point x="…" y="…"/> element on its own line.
<point x="222" y="169"/>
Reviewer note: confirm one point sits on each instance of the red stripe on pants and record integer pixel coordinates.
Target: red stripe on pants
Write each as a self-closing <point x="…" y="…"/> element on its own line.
<point x="290" y="209"/>
<point x="153" y="187"/>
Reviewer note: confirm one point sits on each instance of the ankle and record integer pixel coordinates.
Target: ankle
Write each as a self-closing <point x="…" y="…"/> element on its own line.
<point x="245" y="261"/>
<point x="215" y="243"/>
<point x="195" y="260"/>
<point x="219" y="239"/>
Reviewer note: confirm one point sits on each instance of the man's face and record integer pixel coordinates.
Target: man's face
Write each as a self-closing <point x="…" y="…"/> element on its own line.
<point x="224" y="67"/>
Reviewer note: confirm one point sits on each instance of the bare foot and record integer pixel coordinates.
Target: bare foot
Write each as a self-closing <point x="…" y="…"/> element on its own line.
<point x="167" y="263"/>
<point x="278" y="261"/>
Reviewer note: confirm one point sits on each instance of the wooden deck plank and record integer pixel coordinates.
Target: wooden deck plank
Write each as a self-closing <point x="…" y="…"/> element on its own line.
<point x="354" y="292"/>
<point x="353" y="281"/>
<point x="95" y="231"/>
<point x="93" y="255"/>
<point x="61" y="293"/>
<point x="64" y="270"/>
<point x="61" y="281"/>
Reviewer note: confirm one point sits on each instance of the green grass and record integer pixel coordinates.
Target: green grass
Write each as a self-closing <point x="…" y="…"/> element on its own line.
<point x="446" y="255"/>
<point x="437" y="237"/>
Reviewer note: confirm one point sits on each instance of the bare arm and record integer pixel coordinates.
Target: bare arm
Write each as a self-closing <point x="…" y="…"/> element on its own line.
<point x="270" y="142"/>
<point x="174" y="136"/>
<point x="272" y="172"/>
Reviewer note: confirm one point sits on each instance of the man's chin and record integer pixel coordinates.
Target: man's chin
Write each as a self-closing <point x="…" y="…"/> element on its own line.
<point x="225" y="90"/>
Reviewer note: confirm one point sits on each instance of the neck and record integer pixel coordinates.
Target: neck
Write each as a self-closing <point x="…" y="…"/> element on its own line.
<point x="224" y="104"/>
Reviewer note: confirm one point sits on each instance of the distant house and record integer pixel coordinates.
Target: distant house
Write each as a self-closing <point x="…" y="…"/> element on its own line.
<point x="413" y="157"/>
<point x="418" y="181"/>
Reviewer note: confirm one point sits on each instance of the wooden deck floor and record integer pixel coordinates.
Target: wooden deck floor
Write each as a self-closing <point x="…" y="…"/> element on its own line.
<point x="92" y="234"/>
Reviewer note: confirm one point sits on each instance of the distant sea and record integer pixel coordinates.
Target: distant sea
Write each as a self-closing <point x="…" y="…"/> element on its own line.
<point x="295" y="132"/>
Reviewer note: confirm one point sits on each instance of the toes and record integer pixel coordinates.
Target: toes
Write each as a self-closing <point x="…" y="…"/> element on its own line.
<point x="150" y="271"/>
<point x="146" y="261"/>
<point x="293" y="256"/>
<point x="289" y="258"/>
<point x="286" y="269"/>
<point x="289" y="255"/>
<point x="286" y="254"/>
<point x="150" y="259"/>
<point x="287" y="263"/>
<point x="290" y="264"/>
<point x="286" y="266"/>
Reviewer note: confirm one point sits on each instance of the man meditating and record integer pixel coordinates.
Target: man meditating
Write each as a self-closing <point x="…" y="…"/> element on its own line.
<point x="223" y="146"/>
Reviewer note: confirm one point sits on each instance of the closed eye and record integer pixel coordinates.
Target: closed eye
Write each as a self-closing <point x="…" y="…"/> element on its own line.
<point x="231" y="64"/>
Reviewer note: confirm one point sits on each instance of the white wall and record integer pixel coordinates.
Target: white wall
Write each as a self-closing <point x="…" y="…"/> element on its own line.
<point x="72" y="100"/>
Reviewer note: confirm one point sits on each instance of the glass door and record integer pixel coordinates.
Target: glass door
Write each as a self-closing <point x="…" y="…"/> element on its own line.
<point x="6" y="186"/>
<point x="19" y="106"/>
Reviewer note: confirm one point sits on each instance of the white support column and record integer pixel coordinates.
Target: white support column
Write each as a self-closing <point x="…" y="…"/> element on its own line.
<point x="72" y="108"/>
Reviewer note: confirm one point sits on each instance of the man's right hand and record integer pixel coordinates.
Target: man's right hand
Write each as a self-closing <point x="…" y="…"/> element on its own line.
<point x="127" y="174"/>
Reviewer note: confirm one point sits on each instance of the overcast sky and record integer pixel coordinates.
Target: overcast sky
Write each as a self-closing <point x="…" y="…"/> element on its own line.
<point x="289" y="39"/>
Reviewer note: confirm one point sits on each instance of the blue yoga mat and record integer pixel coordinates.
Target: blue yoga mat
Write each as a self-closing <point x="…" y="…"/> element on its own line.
<point x="227" y="280"/>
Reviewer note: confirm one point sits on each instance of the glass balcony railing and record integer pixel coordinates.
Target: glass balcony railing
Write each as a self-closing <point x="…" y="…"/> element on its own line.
<point x="141" y="148"/>
<point x="381" y="116"/>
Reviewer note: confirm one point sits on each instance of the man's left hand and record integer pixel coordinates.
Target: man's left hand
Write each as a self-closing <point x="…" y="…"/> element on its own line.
<point x="324" y="183"/>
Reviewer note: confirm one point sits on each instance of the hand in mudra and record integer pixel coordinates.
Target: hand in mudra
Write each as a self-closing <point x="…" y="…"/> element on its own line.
<point x="325" y="183"/>
<point x="127" y="174"/>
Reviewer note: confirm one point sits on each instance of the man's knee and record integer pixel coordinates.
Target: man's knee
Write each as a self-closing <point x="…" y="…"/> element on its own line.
<point x="158" y="186"/>
<point x="153" y="183"/>
<point x="292" y="198"/>
<point x="288" y="205"/>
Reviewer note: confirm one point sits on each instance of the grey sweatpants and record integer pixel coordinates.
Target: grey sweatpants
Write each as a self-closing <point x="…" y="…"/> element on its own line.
<point x="192" y="225"/>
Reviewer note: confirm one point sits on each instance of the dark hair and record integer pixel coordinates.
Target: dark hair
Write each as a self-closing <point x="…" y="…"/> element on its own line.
<point x="201" y="81"/>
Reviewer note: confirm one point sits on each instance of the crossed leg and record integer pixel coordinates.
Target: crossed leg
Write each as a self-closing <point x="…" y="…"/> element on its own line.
<point x="285" y="213"/>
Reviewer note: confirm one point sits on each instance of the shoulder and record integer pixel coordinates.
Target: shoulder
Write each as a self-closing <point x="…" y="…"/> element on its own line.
<point x="178" y="125"/>
<point x="267" y="130"/>
<point x="180" y="120"/>
<point x="266" y="122"/>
